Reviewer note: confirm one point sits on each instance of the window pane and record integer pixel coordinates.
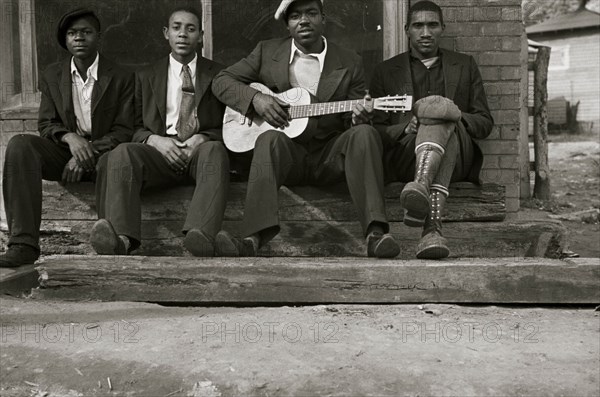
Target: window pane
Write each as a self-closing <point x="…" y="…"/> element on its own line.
<point x="132" y="29"/>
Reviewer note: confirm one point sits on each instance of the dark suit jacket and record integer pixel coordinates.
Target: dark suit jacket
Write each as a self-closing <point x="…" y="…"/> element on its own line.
<point x="342" y="79"/>
<point x="151" y="100"/>
<point x="112" y="104"/>
<point x="463" y="85"/>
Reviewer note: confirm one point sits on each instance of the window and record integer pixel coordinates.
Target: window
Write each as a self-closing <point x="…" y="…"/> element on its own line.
<point x="559" y="58"/>
<point x="132" y="33"/>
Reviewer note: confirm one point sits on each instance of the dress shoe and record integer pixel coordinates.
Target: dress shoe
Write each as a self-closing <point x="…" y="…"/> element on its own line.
<point x="199" y="243"/>
<point x="228" y="245"/>
<point x="105" y="240"/>
<point x="18" y="255"/>
<point x="380" y="245"/>
<point x="433" y="246"/>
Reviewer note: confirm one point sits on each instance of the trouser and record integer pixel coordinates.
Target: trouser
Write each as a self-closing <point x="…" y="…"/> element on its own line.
<point x="457" y="161"/>
<point x="28" y="160"/>
<point x="132" y="167"/>
<point x="355" y="155"/>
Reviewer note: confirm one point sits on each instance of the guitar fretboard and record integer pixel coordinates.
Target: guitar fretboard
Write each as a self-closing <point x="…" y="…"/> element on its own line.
<point x="320" y="109"/>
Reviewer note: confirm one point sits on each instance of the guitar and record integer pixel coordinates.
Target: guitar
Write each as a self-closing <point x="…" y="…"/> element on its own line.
<point x="240" y="132"/>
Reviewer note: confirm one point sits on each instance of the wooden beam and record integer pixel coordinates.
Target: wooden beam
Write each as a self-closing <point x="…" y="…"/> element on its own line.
<point x="336" y="280"/>
<point x="207" y="27"/>
<point x="18" y="280"/>
<point x="524" y="179"/>
<point x="334" y="238"/>
<point x="540" y="125"/>
<point x="467" y="202"/>
<point x="394" y="18"/>
<point x="28" y="52"/>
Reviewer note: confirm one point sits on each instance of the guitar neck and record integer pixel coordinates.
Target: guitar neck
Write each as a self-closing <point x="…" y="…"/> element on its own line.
<point x="320" y="109"/>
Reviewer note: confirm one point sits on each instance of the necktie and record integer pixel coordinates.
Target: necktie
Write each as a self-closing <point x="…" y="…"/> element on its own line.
<point x="187" y="123"/>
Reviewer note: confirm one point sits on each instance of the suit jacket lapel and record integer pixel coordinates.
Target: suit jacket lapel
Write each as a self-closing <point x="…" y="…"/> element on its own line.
<point x="405" y="83"/>
<point x="203" y="79"/>
<point x="281" y="67"/>
<point x="158" y="84"/>
<point x="104" y="78"/>
<point x="451" y="73"/>
<point x="66" y="91"/>
<point x="333" y="72"/>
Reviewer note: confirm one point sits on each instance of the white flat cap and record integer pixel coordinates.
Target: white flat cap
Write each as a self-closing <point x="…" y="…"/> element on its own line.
<point x="283" y="8"/>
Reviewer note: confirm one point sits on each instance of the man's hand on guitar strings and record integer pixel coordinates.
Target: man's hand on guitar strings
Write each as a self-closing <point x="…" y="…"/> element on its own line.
<point x="273" y="110"/>
<point x="363" y="114"/>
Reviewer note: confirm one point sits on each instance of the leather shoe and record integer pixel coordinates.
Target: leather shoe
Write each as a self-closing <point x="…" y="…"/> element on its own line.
<point x="228" y="245"/>
<point x="433" y="246"/>
<point x="381" y="245"/>
<point x="105" y="240"/>
<point x="199" y="243"/>
<point x="414" y="198"/>
<point x="19" y="254"/>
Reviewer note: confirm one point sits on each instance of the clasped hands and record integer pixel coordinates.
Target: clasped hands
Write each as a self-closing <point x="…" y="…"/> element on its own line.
<point x="176" y="153"/>
<point x="83" y="160"/>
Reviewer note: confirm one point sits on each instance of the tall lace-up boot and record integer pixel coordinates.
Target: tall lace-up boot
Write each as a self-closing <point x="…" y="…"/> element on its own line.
<point x="414" y="198"/>
<point x="433" y="245"/>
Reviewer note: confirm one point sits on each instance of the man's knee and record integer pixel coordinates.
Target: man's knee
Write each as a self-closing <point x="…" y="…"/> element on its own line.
<point x="123" y="154"/>
<point x="272" y="138"/>
<point x="364" y="134"/>
<point x="20" y="145"/>
<point x="213" y="150"/>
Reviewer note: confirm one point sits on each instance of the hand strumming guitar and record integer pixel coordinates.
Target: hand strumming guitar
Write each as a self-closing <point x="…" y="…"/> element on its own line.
<point x="273" y="110"/>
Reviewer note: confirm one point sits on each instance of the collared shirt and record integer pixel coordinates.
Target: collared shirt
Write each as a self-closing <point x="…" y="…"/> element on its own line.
<point x="82" y="96"/>
<point x="320" y="56"/>
<point x="427" y="80"/>
<point x="174" y="84"/>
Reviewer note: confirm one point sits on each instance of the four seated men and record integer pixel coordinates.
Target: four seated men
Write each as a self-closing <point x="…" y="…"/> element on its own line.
<point x="174" y="121"/>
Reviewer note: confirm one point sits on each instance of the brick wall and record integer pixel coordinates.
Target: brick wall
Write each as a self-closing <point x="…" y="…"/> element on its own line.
<point x="491" y="31"/>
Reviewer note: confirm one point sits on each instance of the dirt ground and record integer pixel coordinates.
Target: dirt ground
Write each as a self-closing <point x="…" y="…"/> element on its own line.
<point x="51" y="349"/>
<point x="75" y="349"/>
<point x="574" y="162"/>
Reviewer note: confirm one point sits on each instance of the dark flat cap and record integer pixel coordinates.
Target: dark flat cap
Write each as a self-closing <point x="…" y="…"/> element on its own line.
<point x="67" y="19"/>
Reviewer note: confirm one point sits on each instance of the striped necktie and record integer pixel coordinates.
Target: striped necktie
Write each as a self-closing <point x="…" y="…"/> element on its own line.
<point x="187" y="123"/>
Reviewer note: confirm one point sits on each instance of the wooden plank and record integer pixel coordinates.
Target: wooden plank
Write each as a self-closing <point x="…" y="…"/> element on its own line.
<point x="467" y="202"/>
<point x="336" y="280"/>
<point x="327" y="239"/>
<point x="541" y="188"/>
<point x="18" y="280"/>
<point x="27" y="47"/>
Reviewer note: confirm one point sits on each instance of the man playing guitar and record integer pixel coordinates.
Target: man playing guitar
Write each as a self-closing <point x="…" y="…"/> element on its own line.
<point x="343" y="146"/>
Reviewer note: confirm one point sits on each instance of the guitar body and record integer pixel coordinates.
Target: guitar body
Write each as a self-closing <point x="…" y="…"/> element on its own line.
<point x="240" y="135"/>
<point x="240" y="132"/>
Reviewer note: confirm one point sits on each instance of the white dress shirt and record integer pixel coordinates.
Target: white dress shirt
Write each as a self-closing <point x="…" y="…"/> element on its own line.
<point x="174" y="84"/>
<point x="320" y="56"/>
<point x="82" y="96"/>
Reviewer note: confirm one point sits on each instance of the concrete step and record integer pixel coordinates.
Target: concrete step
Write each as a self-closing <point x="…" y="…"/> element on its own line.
<point x="318" y="280"/>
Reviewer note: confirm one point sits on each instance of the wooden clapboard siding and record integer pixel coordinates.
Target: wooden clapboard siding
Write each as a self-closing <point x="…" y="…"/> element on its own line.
<point x="579" y="80"/>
